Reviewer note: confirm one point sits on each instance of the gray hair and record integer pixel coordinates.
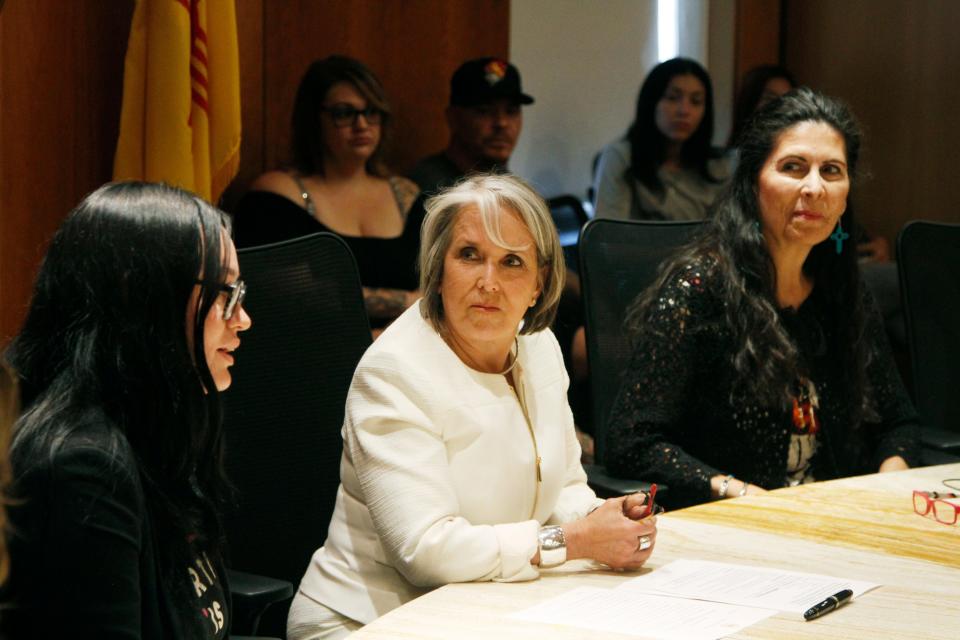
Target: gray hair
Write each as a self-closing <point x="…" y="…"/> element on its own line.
<point x="490" y="193"/>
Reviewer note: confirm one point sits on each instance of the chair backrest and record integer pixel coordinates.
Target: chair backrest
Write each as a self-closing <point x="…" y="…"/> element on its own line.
<point x="569" y="216"/>
<point x="284" y="410"/>
<point x="618" y="260"/>
<point x="928" y="255"/>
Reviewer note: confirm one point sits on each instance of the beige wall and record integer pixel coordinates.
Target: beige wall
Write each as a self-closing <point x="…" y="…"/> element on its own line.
<point x="897" y="62"/>
<point x="721" y="61"/>
<point x="584" y="67"/>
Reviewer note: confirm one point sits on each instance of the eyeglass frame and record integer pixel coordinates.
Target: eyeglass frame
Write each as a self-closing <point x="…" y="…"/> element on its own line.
<point x="236" y="293"/>
<point x="345" y="115"/>
<point x="936" y="497"/>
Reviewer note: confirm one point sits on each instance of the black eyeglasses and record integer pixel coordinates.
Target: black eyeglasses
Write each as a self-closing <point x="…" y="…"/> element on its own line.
<point x="344" y="115"/>
<point x="236" y="292"/>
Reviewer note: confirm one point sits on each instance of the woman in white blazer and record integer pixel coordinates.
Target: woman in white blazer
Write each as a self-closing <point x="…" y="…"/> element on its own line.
<point x="460" y="461"/>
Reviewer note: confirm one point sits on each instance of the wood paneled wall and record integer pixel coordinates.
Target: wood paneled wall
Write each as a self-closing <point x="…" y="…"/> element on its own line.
<point x="61" y="68"/>
<point x="61" y="72"/>
<point x="897" y="64"/>
<point x="412" y="46"/>
<point x="757" y="37"/>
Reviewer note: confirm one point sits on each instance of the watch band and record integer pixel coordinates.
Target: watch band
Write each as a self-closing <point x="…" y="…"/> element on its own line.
<point x="553" y="546"/>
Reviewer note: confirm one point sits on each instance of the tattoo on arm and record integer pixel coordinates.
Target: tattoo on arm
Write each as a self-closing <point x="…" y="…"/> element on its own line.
<point x="384" y="303"/>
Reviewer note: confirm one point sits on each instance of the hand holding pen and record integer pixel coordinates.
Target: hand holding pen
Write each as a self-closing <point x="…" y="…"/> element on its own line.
<point x="642" y="504"/>
<point x="620" y="532"/>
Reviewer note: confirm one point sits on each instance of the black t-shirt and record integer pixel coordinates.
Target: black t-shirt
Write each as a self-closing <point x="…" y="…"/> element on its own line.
<point x="85" y="554"/>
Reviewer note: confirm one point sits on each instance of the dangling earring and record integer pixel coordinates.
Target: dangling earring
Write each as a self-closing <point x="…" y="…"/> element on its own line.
<point x="838" y="236"/>
<point x="756" y="225"/>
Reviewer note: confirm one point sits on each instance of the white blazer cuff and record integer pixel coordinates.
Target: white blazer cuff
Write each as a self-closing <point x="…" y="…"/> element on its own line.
<point x="518" y="545"/>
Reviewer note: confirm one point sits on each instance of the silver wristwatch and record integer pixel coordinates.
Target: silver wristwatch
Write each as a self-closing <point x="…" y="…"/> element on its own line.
<point x="553" y="546"/>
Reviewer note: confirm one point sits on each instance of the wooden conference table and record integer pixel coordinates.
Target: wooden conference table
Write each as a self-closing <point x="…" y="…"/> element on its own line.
<point x="860" y="528"/>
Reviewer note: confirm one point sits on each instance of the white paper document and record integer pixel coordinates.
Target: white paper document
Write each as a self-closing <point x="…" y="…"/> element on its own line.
<point x="643" y="615"/>
<point x="738" y="584"/>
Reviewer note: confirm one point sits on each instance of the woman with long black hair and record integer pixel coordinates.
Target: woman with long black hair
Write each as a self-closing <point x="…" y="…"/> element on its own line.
<point x="664" y="168"/>
<point x="117" y="454"/>
<point x="760" y="359"/>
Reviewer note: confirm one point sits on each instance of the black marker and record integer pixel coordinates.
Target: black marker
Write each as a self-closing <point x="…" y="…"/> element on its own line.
<point x="827" y="605"/>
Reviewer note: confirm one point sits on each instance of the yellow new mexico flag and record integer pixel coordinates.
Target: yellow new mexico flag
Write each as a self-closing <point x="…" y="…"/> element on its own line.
<point x="180" y="121"/>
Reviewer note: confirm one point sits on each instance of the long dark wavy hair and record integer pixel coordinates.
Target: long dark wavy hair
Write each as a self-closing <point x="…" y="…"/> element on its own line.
<point x="765" y="357"/>
<point x="9" y="409"/>
<point x="306" y="135"/>
<point x="750" y="93"/>
<point x="648" y="145"/>
<point x="106" y="335"/>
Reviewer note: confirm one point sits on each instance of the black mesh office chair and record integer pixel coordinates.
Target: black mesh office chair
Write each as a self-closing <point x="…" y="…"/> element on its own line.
<point x="618" y="260"/>
<point x="928" y="255"/>
<point x="284" y="410"/>
<point x="569" y="216"/>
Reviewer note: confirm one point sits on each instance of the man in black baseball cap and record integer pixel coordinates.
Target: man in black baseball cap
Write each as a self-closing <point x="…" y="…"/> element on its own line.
<point x="485" y="120"/>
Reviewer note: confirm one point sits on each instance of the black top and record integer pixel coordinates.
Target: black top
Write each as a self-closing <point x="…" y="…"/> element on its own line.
<point x="678" y="419"/>
<point x="84" y="553"/>
<point x="263" y="217"/>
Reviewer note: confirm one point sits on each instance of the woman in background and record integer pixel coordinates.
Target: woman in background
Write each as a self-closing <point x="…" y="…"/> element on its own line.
<point x="338" y="183"/>
<point x="117" y="455"/>
<point x="759" y="86"/>
<point x="760" y="360"/>
<point x="664" y="168"/>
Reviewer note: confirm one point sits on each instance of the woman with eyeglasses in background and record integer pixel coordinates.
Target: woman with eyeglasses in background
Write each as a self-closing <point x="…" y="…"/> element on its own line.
<point x="337" y="182"/>
<point x="759" y="86"/>
<point x="664" y="168"/>
<point x="117" y="453"/>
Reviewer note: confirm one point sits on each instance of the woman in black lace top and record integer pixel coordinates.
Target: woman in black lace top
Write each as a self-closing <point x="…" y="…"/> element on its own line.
<point x="760" y="360"/>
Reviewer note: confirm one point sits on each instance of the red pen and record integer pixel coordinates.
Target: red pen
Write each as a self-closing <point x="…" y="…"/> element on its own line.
<point x="651" y="494"/>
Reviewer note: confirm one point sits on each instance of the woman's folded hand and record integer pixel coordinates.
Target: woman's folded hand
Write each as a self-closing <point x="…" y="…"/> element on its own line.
<point x="609" y="536"/>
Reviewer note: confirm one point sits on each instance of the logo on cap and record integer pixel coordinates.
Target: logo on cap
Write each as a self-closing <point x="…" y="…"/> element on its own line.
<point x="494" y="71"/>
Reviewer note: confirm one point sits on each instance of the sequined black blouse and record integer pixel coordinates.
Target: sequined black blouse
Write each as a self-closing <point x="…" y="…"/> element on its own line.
<point x="678" y="420"/>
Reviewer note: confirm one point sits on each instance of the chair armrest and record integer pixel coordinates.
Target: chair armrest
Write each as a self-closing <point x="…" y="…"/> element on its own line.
<point x="606" y="486"/>
<point x="251" y="595"/>
<point x="931" y="457"/>
<point x="940" y="439"/>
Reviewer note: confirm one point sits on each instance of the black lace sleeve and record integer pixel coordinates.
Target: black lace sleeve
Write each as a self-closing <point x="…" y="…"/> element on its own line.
<point x="890" y="414"/>
<point x="647" y="419"/>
